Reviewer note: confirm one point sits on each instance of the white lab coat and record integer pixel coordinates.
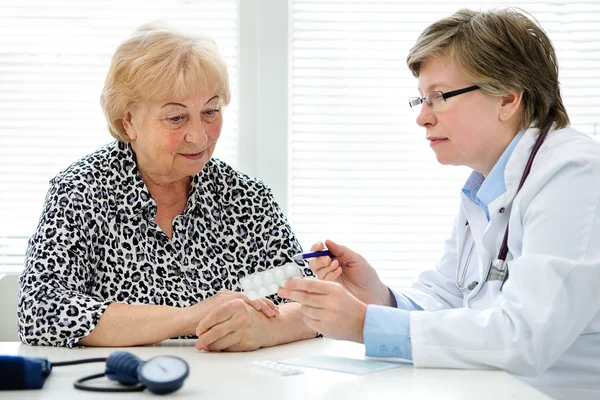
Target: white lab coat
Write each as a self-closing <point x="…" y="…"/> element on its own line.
<point x="544" y="325"/>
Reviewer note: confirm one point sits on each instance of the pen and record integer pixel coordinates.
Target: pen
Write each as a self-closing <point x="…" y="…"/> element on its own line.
<point x="304" y="256"/>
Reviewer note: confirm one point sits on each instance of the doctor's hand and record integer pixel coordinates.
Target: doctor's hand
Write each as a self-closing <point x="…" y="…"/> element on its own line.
<point x="353" y="272"/>
<point x="328" y="308"/>
<point x="232" y="326"/>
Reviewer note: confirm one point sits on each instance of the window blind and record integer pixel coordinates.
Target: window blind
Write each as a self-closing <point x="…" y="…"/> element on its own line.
<point x="54" y="57"/>
<point x="362" y="172"/>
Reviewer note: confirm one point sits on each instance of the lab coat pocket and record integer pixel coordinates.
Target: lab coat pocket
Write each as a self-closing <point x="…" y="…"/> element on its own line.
<point x="489" y="296"/>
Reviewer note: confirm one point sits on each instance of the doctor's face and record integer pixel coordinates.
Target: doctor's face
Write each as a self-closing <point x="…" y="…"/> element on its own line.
<point x="465" y="129"/>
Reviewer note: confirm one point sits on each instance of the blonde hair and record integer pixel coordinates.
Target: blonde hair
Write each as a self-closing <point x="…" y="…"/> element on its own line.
<point x="157" y="63"/>
<point x="500" y="51"/>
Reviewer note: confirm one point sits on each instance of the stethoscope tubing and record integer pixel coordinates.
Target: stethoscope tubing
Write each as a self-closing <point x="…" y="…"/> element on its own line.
<point x="503" y="252"/>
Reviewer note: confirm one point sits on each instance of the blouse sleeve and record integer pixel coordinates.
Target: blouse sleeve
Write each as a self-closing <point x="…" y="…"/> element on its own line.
<point x="54" y="308"/>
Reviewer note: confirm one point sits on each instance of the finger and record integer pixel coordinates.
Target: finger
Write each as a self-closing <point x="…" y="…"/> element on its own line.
<point x="317" y="246"/>
<point x="304" y="298"/>
<point x="333" y="275"/>
<point x="229" y="340"/>
<point x="217" y="332"/>
<point x="271" y="306"/>
<point x="342" y="252"/>
<point x="311" y="286"/>
<point x="323" y="272"/>
<point x="256" y="304"/>
<point x="318" y="263"/>
<point x="216" y="316"/>
<point x="264" y="307"/>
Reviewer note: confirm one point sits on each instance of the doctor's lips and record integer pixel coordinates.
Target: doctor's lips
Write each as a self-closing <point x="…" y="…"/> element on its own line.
<point x="433" y="140"/>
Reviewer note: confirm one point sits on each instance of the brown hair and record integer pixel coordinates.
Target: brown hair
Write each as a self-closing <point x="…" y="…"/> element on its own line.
<point x="499" y="50"/>
<point x="158" y="63"/>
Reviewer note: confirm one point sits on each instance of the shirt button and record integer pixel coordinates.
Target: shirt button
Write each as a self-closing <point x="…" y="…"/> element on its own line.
<point x="502" y="210"/>
<point x="396" y="351"/>
<point x="383" y="348"/>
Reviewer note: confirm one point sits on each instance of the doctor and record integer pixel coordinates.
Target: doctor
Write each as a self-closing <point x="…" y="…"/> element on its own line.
<point x="518" y="286"/>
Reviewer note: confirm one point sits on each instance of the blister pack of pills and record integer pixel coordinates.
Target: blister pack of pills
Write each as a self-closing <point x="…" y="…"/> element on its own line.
<point x="277" y="368"/>
<point x="265" y="283"/>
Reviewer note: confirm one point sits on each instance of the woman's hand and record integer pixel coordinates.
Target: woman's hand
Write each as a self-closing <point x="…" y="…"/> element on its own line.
<point x="232" y="326"/>
<point x="352" y="271"/>
<point x="194" y="314"/>
<point x="327" y="307"/>
<point x="264" y="305"/>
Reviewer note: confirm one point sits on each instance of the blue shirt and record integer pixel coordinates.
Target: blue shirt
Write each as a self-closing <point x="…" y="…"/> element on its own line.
<point x="386" y="331"/>
<point x="483" y="191"/>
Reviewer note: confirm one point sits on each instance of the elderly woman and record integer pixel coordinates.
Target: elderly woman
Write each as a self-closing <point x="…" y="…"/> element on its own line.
<point x="524" y="299"/>
<point x="147" y="238"/>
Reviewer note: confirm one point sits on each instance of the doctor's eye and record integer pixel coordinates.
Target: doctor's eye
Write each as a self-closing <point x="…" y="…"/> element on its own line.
<point x="434" y="97"/>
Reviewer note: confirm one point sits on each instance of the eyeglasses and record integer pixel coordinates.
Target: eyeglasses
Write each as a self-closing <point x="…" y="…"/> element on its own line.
<point x="437" y="100"/>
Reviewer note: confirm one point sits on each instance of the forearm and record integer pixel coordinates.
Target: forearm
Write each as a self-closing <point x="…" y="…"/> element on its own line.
<point x="133" y="325"/>
<point x="288" y="326"/>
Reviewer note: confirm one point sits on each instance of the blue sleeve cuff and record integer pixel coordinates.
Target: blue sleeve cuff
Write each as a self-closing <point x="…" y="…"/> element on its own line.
<point x="405" y="303"/>
<point x="387" y="332"/>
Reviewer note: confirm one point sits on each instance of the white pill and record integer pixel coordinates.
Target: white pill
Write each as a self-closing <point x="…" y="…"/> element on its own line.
<point x="268" y="277"/>
<point x="290" y="270"/>
<point x="264" y="291"/>
<point x="279" y="274"/>
<point x="246" y="284"/>
<point x="266" y="283"/>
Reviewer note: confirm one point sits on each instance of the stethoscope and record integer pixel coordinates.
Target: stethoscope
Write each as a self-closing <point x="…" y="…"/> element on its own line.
<point x="499" y="267"/>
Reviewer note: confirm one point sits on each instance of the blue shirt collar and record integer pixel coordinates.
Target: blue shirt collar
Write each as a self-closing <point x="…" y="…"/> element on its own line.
<point x="483" y="191"/>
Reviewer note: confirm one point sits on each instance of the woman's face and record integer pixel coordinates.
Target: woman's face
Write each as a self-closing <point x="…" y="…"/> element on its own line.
<point x="174" y="139"/>
<point x="469" y="129"/>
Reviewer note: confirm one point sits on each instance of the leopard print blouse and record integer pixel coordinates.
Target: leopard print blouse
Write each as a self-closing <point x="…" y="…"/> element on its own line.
<point x="97" y="243"/>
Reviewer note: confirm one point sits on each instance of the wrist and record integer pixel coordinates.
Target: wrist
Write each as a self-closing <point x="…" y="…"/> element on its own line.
<point x="189" y="317"/>
<point x="287" y="327"/>
<point x="268" y="328"/>
<point x="360" y="324"/>
<point x="385" y="298"/>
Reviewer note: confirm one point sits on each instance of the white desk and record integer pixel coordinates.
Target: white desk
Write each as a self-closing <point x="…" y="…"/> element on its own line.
<point x="226" y="376"/>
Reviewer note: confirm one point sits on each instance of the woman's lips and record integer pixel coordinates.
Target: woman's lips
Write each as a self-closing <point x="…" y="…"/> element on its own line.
<point x="196" y="156"/>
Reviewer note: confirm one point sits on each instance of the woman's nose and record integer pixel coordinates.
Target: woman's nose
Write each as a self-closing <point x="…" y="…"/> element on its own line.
<point x="196" y="133"/>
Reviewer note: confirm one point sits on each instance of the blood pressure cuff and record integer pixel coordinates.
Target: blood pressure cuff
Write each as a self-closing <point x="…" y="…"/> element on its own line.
<point x="18" y="373"/>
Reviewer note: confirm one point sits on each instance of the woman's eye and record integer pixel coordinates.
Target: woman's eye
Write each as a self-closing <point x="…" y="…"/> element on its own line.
<point x="210" y="115"/>
<point x="177" y="119"/>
